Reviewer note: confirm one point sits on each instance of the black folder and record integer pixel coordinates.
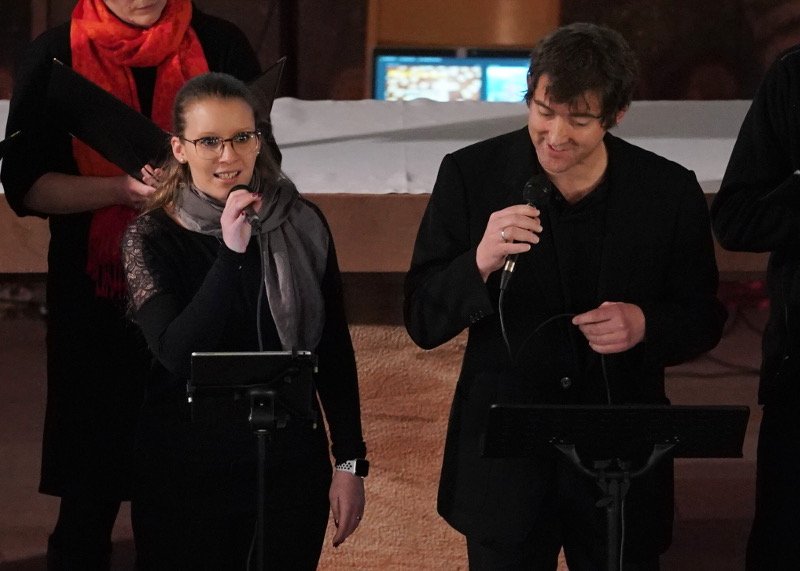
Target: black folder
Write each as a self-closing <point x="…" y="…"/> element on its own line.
<point x="5" y="143"/>
<point x="265" y="87"/>
<point x="122" y="135"/>
<point x="619" y="431"/>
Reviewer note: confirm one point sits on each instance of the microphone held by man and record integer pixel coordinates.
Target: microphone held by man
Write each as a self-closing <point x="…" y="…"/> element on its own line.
<point x="536" y="194"/>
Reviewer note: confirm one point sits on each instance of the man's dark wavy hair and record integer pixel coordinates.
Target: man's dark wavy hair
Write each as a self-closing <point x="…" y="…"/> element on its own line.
<point x="585" y="57"/>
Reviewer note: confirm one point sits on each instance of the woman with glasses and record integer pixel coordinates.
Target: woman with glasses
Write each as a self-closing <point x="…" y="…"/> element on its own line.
<point x="194" y="270"/>
<point x="140" y="52"/>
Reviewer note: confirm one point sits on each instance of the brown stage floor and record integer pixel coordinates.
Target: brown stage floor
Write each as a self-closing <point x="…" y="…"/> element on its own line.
<point x="405" y="395"/>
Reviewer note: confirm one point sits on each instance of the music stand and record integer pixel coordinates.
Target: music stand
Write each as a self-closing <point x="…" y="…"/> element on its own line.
<point x="610" y="436"/>
<point x="277" y="385"/>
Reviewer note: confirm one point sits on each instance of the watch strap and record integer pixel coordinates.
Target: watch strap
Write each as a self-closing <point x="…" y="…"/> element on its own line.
<point x="358" y="466"/>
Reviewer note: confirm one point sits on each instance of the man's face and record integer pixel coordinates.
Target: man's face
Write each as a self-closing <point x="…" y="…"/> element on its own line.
<point x="140" y="13"/>
<point x="568" y="138"/>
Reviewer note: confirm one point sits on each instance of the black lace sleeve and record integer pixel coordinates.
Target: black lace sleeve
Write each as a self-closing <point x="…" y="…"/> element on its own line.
<point x="140" y="277"/>
<point x="179" y="294"/>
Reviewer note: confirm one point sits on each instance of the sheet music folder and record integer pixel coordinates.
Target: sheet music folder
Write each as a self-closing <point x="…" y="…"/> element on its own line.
<point x="615" y="431"/>
<point x="122" y="135"/>
<point x="234" y="374"/>
<point x="5" y="143"/>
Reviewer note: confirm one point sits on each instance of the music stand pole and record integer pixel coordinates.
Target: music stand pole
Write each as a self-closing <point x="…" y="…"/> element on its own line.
<point x="614" y="484"/>
<point x="279" y="386"/>
<point x="614" y="432"/>
<point x="262" y="421"/>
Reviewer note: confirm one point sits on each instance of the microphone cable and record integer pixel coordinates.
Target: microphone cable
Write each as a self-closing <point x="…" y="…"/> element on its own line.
<point x="255" y="224"/>
<point x="262" y="286"/>
<point x="503" y="330"/>
<point x="515" y="357"/>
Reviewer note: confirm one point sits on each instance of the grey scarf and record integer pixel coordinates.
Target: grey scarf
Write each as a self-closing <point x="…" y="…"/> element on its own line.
<point x="295" y="242"/>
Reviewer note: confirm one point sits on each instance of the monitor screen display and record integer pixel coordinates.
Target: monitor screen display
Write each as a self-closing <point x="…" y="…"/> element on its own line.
<point x="444" y="76"/>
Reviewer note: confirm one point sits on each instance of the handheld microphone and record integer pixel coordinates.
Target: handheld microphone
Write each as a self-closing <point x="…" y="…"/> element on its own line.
<point x="251" y="215"/>
<point x="536" y="192"/>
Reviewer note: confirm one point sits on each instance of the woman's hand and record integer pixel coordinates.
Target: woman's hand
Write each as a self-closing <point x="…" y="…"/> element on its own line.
<point x="347" y="504"/>
<point x="151" y="176"/>
<point x="511" y="230"/>
<point x="236" y="230"/>
<point x="131" y="192"/>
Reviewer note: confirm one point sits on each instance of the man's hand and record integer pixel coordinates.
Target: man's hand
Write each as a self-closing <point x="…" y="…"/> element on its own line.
<point x="613" y="327"/>
<point x="511" y="230"/>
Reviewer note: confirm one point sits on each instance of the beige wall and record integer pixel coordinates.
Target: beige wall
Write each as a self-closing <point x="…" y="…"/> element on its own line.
<point x="23" y="242"/>
<point x="353" y="219"/>
<point x="467" y="23"/>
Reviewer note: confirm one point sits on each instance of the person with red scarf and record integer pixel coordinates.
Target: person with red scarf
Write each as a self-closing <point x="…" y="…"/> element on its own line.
<point x="142" y="52"/>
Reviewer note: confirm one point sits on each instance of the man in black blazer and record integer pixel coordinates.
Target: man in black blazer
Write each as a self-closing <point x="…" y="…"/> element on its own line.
<point x="757" y="210"/>
<point x="615" y="279"/>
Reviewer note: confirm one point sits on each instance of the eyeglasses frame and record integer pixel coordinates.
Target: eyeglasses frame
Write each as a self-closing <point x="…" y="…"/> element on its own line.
<point x="256" y="132"/>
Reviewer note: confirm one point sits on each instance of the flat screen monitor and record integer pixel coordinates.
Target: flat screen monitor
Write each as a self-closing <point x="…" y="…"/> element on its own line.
<point x="448" y="75"/>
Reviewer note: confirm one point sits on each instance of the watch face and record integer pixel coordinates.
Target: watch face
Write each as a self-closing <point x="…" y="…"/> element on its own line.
<point x="362" y="468"/>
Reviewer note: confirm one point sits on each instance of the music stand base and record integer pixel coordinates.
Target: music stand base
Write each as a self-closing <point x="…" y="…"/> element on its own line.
<point x="613" y="477"/>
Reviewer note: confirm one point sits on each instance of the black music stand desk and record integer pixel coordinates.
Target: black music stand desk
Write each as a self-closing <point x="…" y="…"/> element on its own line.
<point x="268" y="388"/>
<point x="610" y="436"/>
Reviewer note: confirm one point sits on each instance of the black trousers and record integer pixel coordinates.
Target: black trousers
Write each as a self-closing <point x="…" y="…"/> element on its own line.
<point x="227" y="541"/>
<point x="540" y="553"/>
<point x="569" y="517"/>
<point x="195" y="505"/>
<point x="775" y="536"/>
<point x="81" y="539"/>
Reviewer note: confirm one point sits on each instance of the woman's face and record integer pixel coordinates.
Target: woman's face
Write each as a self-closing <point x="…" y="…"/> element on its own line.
<point x="209" y="121"/>
<point x="140" y="13"/>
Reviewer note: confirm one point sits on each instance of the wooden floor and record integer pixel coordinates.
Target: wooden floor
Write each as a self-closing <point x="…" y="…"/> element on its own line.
<point x="401" y="385"/>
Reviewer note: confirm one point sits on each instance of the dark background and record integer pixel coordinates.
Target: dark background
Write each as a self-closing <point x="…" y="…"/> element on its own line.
<point x="688" y="49"/>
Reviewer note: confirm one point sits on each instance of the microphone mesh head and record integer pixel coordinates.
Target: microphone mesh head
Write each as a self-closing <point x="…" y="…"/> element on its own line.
<point x="537" y="191"/>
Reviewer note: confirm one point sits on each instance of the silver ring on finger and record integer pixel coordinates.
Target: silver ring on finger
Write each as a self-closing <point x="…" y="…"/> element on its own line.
<point x="503" y="235"/>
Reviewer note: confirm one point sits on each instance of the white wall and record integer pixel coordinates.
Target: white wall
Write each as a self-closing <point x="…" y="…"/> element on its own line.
<point x="396" y="147"/>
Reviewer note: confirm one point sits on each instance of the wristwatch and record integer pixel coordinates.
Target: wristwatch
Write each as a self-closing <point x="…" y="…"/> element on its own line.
<point x="359" y="467"/>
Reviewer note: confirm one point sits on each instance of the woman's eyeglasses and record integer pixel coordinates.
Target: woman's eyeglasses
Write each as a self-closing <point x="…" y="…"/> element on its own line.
<point x="244" y="143"/>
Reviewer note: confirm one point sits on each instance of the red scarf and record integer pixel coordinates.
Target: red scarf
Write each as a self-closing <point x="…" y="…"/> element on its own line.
<point x="104" y="48"/>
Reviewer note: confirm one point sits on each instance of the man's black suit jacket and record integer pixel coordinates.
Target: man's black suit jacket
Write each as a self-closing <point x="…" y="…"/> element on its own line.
<point x="657" y="253"/>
